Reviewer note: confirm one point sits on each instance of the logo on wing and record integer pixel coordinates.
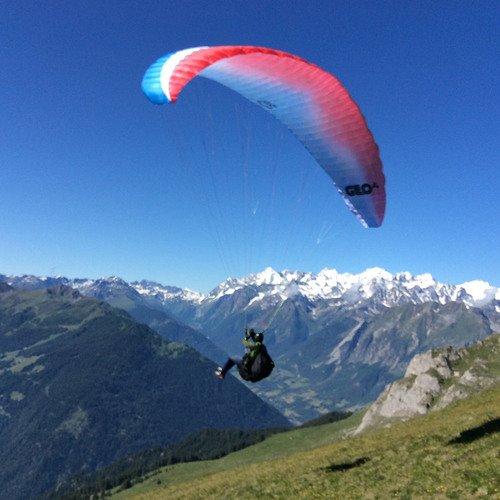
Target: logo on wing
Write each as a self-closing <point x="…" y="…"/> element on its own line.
<point x="360" y="189"/>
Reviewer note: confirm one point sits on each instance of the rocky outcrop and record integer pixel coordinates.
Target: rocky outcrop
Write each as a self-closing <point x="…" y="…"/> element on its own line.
<point x="435" y="379"/>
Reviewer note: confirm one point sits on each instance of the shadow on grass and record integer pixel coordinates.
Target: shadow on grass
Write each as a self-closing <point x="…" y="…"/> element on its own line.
<point x="490" y="427"/>
<point x="346" y="465"/>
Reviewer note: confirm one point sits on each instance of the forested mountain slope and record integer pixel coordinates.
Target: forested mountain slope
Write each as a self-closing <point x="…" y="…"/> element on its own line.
<point x="82" y="384"/>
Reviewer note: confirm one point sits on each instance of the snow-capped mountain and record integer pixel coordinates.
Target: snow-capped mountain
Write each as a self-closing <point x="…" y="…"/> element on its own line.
<point x="353" y="289"/>
<point x="270" y="286"/>
<point x="345" y="289"/>
<point x="337" y="338"/>
<point x="283" y="303"/>
<point x="166" y="293"/>
<point x="263" y="299"/>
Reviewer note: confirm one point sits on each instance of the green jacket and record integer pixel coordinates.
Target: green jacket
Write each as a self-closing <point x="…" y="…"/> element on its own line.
<point x="253" y="348"/>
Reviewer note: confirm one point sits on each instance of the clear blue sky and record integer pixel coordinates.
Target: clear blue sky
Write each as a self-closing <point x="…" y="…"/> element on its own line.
<point x="96" y="181"/>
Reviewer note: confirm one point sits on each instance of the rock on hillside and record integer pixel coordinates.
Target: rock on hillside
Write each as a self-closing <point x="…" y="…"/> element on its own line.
<point x="434" y="379"/>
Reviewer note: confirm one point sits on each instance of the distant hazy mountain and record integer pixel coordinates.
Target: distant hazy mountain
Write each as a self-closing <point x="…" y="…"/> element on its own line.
<point x="338" y="338"/>
<point x="82" y="384"/>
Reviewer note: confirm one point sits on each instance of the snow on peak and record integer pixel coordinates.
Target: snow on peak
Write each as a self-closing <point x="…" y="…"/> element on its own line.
<point x="267" y="277"/>
<point x="227" y="287"/>
<point x="329" y="273"/>
<point x="114" y="279"/>
<point x="372" y="288"/>
<point x="375" y="285"/>
<point x="163" y="292"/>
<point x="375" y="273"/>
<point x="480" y="291"/>
<point x="403" y="276"/>
<point x="423" y="280"/>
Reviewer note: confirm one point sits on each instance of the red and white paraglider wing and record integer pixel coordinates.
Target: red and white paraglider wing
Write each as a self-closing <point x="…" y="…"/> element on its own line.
<point x="311" y="102"/>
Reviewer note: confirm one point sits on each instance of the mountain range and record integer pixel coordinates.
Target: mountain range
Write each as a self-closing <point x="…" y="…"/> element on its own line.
<point x="338" y="338"/>
<point x="261" y="294"/>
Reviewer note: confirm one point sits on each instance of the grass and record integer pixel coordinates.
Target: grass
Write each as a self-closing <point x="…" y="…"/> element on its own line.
<point x="487" y="351"/>
<point x="452" y="453"/>
<point x="274" y="447"/>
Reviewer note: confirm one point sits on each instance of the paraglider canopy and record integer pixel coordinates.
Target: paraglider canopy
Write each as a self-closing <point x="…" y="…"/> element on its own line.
<point x="311" y="102"/>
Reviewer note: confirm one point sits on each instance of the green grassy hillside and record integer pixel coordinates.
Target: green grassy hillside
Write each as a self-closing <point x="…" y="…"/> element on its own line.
<point x="451" y="453"/>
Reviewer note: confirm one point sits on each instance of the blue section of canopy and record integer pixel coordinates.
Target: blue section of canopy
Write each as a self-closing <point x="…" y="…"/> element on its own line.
<point x="151" y="84"/>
